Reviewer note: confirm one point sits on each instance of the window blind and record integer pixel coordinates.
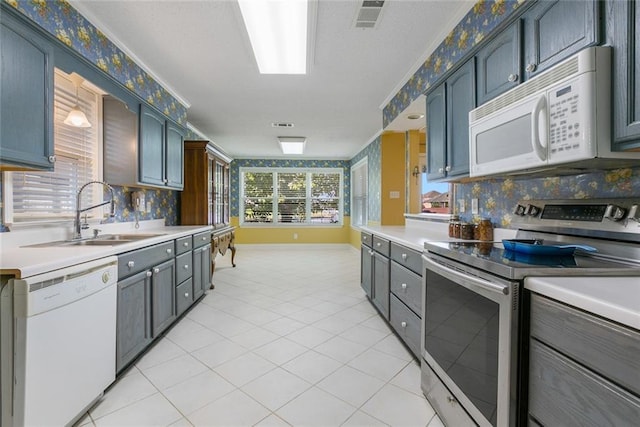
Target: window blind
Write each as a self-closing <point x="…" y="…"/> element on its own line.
<point x="291" y="196"/>
<point x="41" y="195"/>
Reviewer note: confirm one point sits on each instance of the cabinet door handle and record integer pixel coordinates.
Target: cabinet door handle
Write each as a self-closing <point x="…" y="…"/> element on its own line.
<point x="156" y="270"/>
<point x="531" y="67"/>
<point x="186" y="294"/>
<point x="404" y="257"/>
<point x="371" y="253"/>
<point x="448" y="169"/>
<point x="148" y="274"/>
<point x="404" y="286"/>
<point x="131" y="264"/>
<point x="52" y="159"/>
<point x="403" y="324"/>
<point x="513" y="77"/>
<point x="441" y="170"/>
<point x="169" y="251"/>
<point x="378" y="244"/>
<point x="185" y="244"/>
<point x="186" y="266"/>
<point x="204" y="238"/>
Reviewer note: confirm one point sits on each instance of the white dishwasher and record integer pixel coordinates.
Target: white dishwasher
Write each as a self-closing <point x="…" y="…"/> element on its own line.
<point x="58" y="343"/>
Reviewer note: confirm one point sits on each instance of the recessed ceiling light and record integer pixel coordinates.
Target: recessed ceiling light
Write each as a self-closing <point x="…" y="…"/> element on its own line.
<point x="278" y="34"/>
<point x="415" y="116"/>
<point x="292" y="144"/>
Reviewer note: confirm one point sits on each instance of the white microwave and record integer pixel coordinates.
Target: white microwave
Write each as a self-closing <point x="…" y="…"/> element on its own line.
<point x="560" y="118"/>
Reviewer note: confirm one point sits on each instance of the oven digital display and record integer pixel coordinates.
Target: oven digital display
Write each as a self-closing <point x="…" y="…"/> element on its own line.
<point x="563" y="91"/>
<point x="591" y="213"/>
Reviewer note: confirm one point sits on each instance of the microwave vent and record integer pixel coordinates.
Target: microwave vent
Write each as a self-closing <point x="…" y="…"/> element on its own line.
<point x="541" y="82"/>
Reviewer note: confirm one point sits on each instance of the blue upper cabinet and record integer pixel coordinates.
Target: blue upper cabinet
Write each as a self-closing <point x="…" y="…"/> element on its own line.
<point x="448" y="107"/>
<point x="555" y="30"/>
<point x="151" y="147"/>
<point x="623" y="33"/>
<point x="499" y="64"/>
<point x="26" y="97"/>
<point x="161" y="151"/>
<point x="175" y="156"/>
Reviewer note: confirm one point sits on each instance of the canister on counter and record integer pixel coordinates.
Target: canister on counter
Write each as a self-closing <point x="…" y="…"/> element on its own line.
<point x="455" y="219"/>
<point x="466" y="231"/>
<point x="485" y="230"/>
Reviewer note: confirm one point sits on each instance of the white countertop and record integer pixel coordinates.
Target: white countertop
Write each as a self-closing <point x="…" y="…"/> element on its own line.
<point x="615" y="298"/>
<point x="413" y="237"/>
<point x="21" y="262"/>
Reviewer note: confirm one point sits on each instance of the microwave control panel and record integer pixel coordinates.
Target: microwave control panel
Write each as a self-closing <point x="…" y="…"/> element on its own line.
<point x="565" y="127"/>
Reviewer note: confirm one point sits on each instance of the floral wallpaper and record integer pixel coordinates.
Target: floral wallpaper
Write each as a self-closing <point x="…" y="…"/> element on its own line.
<point x="471" y="30"/>
<point x="373" y="153"/>
<point x="164" y="204"/>
<point x="236" y="164"/>
<point x="498" y="197"/>
<point x="60" y="19"/>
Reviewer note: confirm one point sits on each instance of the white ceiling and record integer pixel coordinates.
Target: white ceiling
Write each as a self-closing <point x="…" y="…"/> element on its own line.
<point x="200" y="51"/>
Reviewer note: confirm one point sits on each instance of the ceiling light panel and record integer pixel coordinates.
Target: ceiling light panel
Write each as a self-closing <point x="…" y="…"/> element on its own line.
<point x="292" y="144"/>
<point x="278" y="33"/>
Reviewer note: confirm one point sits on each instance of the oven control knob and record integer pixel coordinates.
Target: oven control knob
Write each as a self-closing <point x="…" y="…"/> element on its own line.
<point x="614" y="213"/>
<point x="532" y="210"/>
<point x="634" y="213"/>
<point x="519" y="210"/>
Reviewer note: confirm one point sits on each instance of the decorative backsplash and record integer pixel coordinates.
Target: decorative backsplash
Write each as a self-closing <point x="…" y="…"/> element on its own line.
<point x="236" y="164"/>
<point x="498" y="197"/>
<point x="373" y="154"/>
<point x="483" y="18"/>
<point x="61" y="20"/>
<point x="164" y="204"/>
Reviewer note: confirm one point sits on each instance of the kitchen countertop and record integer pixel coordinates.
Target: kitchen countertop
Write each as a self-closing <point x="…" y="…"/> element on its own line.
<point x="21" y="262"/>
<point x="615" y="298"/>
<point x="413" y="237"/>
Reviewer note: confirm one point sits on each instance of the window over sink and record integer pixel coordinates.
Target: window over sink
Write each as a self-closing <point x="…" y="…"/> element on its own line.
<point x="41" y="196"/>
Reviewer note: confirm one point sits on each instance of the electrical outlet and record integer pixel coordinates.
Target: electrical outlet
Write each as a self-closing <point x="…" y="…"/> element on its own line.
<point x="295" y="236"/>
<point x="149" y="206"/>
<point x="462" y="207"/>
<point x="474" y="206"/>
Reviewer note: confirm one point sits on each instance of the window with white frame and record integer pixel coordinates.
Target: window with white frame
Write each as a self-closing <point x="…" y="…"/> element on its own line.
<point x="36" y="196"/>
<point x="291" y="196"/>
<point x="359" y="189"/>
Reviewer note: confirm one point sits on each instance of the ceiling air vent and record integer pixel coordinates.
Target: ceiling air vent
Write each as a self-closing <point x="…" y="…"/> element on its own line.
<point x="369" y="13"/>
<point x="281" y="125"/>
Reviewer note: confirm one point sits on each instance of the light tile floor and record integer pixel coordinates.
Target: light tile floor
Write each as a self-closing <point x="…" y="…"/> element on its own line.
<point x="286" y="338"/>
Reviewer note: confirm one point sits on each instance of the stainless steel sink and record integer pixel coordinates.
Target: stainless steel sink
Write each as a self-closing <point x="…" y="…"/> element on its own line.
<point x="104" y="240"/>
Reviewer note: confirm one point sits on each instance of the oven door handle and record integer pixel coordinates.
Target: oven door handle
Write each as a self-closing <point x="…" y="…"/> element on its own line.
<point x="466" y="279"/>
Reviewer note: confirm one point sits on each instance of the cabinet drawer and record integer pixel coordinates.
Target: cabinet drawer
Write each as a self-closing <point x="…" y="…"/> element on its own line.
<point x="184" y="267"/>
<point x="601" y="345"/>
<point x="366" y="239"/>
<point x="381" y="245"/>
<point x="406" y="324"/>
<point x="139" y="260"/>
<point x="201" y="239"/>
<point x="407" y="257"/>
<point x="184" y="244"/>
<point x="407" y="286"/>
<point x="561" y="392"/>
<point x="184" y="296"/>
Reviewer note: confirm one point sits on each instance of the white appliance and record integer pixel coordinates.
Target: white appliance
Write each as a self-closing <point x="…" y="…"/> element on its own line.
<point x="58" y="343"/>
<point x="561" y="117"/>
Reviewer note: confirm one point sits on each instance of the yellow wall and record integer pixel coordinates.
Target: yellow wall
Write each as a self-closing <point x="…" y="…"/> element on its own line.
<point x="416" y="146"/>
<point x="393" y="178"/>
<point x="307" y="234"/>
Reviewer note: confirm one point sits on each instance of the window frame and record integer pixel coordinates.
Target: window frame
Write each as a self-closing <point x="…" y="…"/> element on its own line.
<point x="308" y="197"/>
<point x="39" y="219"/>
<point x="364" y="162"/>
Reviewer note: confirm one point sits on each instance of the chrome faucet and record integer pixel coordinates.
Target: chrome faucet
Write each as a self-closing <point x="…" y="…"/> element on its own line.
<point x="76" y="224"/>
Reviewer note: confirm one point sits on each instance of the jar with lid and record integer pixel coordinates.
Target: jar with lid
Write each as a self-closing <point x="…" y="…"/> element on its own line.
<point x="485" y="230"/>
<point x="453" y="221"/>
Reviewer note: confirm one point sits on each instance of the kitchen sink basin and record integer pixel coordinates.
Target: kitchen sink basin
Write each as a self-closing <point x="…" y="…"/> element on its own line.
<point x="104" y="240"/>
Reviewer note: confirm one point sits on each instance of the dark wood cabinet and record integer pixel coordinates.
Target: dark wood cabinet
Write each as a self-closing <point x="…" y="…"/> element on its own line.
<point x="26" y="98"/>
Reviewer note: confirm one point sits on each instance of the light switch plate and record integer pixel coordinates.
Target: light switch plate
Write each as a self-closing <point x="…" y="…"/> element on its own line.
<point x="474" y="206"/>
<point x="394" y="194"/>
<point x="462" y="206"/>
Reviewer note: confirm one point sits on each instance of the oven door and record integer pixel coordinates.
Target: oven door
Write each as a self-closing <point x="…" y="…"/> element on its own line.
<point x="469" y="339"/>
